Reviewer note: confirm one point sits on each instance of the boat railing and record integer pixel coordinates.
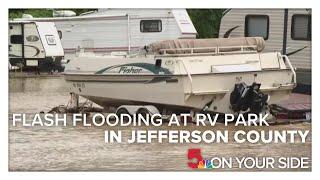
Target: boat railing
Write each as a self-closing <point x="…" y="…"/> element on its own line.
<point x="189" y="76"/>
<point x="291" y="68"/>
<point x="218" y="50"/>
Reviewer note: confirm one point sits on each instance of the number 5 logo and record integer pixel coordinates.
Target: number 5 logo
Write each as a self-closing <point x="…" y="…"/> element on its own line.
<point x="194" y="154"/>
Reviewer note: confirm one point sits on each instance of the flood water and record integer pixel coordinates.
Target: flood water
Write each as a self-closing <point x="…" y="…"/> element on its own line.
<point x="83" y="148"/>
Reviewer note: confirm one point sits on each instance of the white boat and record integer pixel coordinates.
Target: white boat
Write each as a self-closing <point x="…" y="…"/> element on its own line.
<point x="214" y="75"/>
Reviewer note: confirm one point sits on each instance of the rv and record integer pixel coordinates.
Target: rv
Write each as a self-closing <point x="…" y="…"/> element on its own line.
<point x="124" y="30"/>
<point x="284" y="30"/>
<point x="34" y="46"/>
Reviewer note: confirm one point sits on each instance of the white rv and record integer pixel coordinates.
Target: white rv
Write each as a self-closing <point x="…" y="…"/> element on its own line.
<point x="110" y="30"/>
<point x="35" y="45"/>
<point x="284" y="30"/>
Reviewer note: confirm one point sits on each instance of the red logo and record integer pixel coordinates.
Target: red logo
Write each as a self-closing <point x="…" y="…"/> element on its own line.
<point x="194" y="154"/>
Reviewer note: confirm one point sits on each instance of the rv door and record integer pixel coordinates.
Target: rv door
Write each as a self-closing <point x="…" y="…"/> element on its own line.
<point x="50" y="39"/>
<point x="184" y="23"/>
<point x="33" y="48"/>
<point x="15" y="40"/>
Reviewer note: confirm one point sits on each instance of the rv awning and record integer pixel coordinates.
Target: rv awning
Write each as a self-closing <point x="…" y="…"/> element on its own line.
<point x="258" y="42"/>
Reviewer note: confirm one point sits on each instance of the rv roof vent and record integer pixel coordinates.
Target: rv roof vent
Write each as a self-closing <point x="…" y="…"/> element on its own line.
<point x="87" y="13"/>
<point x="63" y="13"/>
<point x="27" y="16"/>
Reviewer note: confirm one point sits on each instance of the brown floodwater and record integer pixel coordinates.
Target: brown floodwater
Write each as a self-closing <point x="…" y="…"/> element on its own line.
<point x="81" y="148"/>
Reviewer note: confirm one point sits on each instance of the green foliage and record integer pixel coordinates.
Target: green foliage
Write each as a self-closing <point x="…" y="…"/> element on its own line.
<point x="206" y="21"/>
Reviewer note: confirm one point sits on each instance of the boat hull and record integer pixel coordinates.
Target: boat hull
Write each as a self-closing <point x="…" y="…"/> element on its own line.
<point x="177" y="92"/>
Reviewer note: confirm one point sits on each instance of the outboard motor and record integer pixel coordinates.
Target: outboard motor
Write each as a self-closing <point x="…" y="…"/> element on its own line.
<point x="244" y="98"/>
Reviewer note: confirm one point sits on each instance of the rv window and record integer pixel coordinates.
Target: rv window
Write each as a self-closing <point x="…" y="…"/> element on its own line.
<point x="150" y="26"/>
<point x="60" y="34"/>
<point x="257" y="26"/>
<point x="16" y="39"/>
<point x="301" y="27"/>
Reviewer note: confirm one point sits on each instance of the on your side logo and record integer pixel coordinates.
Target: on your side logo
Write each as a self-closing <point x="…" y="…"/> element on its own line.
<point x="196" y="161"/>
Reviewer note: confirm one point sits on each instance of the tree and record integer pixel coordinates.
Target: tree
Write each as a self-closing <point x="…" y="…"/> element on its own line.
<point x="206" y="21"/>
<point x="17" y="13"/>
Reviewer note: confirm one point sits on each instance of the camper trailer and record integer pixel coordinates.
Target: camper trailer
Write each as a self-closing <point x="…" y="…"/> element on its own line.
<point x="124" y="30"/>
<point x="34" y="46"/>
<point x="284" y="30"/>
